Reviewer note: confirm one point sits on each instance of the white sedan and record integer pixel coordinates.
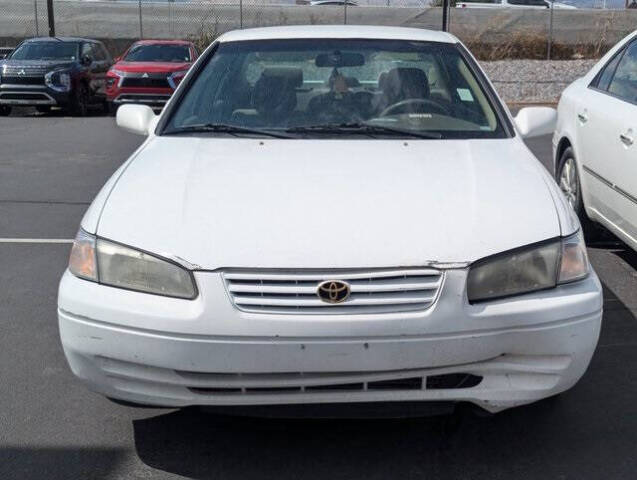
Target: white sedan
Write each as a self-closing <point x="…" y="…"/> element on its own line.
<point x="594" y="143"/>
<point x="533" y="4"/>
<point x="330" y="215"/>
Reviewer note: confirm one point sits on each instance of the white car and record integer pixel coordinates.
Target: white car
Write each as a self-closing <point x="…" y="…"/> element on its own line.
<point x="513" y="4"/>
<point x="318" y="3"/>
<point x="594" y="143"/>
<point x="329" y="215"/>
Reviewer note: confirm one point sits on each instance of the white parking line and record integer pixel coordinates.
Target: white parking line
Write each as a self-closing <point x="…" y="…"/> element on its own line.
<point x="36" y="240"/>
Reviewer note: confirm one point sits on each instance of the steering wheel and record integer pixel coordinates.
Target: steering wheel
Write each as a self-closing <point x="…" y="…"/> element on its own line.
<point x="416" y="101"/>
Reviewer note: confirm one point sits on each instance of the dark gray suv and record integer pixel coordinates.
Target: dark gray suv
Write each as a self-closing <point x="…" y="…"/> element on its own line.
<point x="55" y="72"/>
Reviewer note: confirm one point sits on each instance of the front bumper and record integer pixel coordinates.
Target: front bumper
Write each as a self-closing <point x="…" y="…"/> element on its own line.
<point x="153" y="97"/>
<point x="32" y="95"/>
<point x="159" y="351"/>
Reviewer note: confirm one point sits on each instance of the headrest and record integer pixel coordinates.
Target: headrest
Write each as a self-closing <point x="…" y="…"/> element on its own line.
<point x="274" y="95"/>
<point x="382" y="78"/>
<point x="352" y="82"/>
<point x="294" y="76"/>
<point x="403" y="83"/>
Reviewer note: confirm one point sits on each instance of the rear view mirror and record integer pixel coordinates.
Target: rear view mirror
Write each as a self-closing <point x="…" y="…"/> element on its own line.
<point x="339" y="59"/>
<point x="536" y="121"/>
<point x="138" y="119"/>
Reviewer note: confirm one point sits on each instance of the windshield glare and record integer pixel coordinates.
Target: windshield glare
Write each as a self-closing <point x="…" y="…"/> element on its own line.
<point x="46" y="51"/>
<point x="158" y="53"/>
<point x="291" y="84"/>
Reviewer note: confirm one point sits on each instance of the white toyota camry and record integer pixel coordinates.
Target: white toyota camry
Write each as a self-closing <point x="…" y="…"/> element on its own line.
<point x="331" y="215"/>
<point x="594" y="143"/>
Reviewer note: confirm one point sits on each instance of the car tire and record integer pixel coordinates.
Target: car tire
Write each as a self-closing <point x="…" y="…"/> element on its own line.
<point x="568" y="179"/>
<point x="79" y="103"/>
<point x="112" y="109"/>
<point x="5" y="111"/>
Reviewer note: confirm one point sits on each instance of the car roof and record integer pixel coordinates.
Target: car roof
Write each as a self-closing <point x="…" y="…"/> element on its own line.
<point x="338" y="31"/>
<point x="61" y="39"/>
<point x="163" y="42"/>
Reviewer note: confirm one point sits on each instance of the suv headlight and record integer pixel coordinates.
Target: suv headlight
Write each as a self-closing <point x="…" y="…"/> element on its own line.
<point x="529" y="269"/>
<point x="119" y="266"/>
<point x="175" y="78"/>
<point x="58" y="80"/>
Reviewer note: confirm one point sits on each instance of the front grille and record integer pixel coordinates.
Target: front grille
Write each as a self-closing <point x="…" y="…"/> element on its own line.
<point x="25" y="96"/>
<point x="452" y="381"/>
<point x="142" y="98"/>
<point x="31" y="71"/>
<point x="254" y="383"/>
<point x="151" y="82"/>
<point x="372" y="291"/>
<point x="22" y="80"/>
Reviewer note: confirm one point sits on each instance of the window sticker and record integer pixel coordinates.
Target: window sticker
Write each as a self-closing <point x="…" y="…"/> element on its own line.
<point x="465" y="94"/>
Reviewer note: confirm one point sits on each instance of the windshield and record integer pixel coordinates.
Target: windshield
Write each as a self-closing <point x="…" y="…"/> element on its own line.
<point x="158" y="53"/>
<point x="291" y="85"/>
<point x="46" y="51"/>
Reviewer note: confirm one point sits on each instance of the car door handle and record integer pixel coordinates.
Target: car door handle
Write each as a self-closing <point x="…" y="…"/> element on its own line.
<point x="582" y="117"/>
<point x="626" y="139"/>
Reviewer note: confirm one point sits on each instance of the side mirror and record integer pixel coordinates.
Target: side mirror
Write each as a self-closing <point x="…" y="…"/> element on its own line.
<point x="87" y="60"/>
<point x="536" y="121"/>
<point x="117" y="59"/>
<point x="137" y="119"/>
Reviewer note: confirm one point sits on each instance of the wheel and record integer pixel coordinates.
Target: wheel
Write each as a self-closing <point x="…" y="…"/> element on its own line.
<point x="5" y="111"/>
<point x="43" y="108"/>
<point x="569" y="182"/>
<point x="79" y="104"/>
<point x="568" y="179"/>
<point x="112" y="108"/>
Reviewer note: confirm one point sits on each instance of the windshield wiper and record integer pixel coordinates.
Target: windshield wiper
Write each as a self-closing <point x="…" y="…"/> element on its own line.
<point x="362" y="128"/>
<point x="223" y="128"/>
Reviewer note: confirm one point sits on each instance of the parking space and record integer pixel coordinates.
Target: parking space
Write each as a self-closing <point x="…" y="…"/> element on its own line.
<point x="51" y="427"/>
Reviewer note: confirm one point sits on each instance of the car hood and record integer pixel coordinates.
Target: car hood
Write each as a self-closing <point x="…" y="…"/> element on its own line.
<point x="151" y="67"/>
<point x="216" y="202"/>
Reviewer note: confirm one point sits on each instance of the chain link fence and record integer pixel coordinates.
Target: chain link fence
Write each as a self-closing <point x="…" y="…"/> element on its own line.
<point x="492" y="33"/>
<point x="27" y="18"/>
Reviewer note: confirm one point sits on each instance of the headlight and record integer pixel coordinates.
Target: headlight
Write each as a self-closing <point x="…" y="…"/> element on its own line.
<point x="58" y="80"/>
<point x="574" y="262"/>
<point x="82" y="262"/>
<point x="115" y="265"/>
<point x="175" y="78"/>
<point x="528" y="269"/>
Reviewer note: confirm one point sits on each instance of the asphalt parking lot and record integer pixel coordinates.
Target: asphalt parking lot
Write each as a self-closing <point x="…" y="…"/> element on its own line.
<point x="51" y="427"/>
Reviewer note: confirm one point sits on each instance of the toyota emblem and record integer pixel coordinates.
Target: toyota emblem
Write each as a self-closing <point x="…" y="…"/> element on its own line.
<point x="333" y="291"/>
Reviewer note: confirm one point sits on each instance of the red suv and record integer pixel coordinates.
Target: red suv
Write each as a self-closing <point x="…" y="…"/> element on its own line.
<point x="149" y="72"/>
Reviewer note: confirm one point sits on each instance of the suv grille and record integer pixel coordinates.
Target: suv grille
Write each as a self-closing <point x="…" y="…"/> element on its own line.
<point x="154" y="82"/>
<point x="372" y="291"/>
<point x="30" y="71"/>
<point x="22" y="80"/>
